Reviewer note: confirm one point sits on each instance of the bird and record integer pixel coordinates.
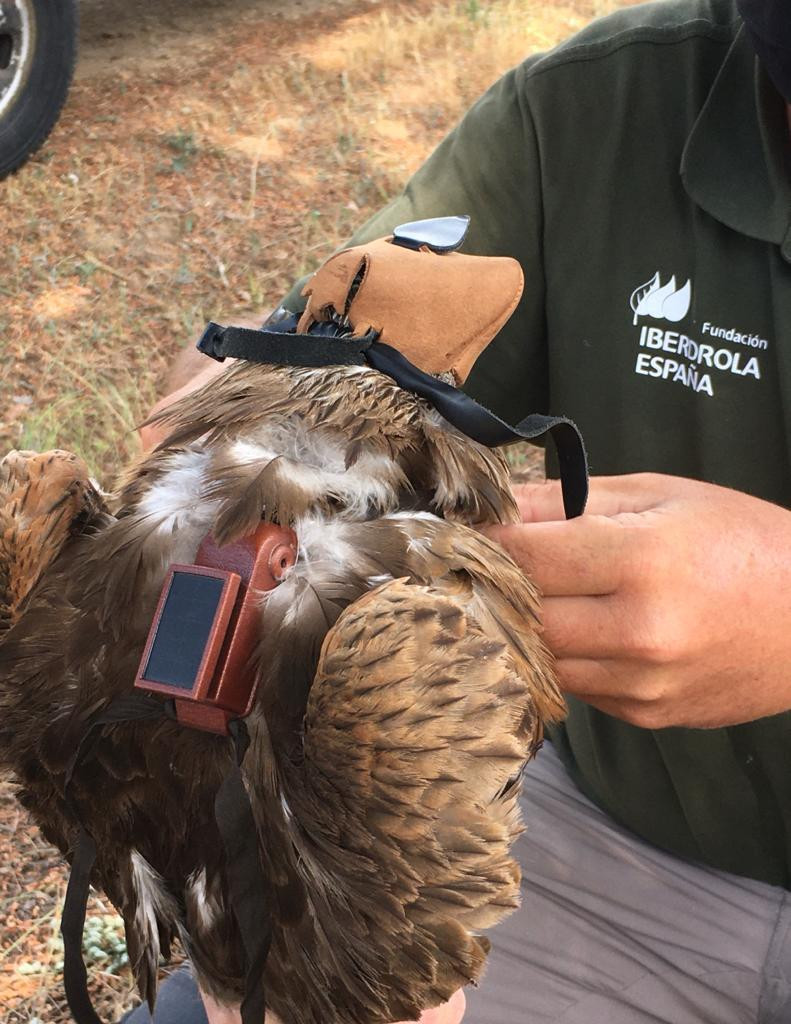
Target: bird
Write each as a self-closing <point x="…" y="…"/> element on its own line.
<point x="402" y="683"/>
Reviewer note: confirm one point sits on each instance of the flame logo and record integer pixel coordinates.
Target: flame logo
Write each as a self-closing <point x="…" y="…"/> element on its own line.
<point x="661" y="301"/>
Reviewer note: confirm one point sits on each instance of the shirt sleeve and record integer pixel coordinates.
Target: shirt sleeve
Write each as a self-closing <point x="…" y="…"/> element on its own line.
<point x="488" y="167"/>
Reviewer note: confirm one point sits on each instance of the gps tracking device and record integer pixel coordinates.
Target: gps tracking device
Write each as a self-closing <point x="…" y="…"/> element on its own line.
<point x="204" y="632"/>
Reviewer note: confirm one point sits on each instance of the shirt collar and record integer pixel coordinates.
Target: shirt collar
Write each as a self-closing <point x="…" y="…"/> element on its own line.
<point x="736" y="164"/>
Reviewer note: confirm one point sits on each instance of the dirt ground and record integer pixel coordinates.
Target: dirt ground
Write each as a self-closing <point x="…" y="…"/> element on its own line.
<point x="139" y="35"/>
<point x="211" y="152"/>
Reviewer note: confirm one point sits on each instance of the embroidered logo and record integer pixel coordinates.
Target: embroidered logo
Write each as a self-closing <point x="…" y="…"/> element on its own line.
<point x="661" y="301"/>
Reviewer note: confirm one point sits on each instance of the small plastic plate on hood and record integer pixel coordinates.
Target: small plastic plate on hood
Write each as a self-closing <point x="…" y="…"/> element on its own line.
<point x="440" y="234"/>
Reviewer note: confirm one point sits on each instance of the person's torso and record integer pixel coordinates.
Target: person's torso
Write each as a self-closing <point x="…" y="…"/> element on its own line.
<point x="669" y="343"/>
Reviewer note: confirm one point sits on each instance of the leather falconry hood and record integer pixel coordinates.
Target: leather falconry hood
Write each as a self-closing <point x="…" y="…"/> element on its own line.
<point x="391" y="286"/>
<point x="412" y="307"/>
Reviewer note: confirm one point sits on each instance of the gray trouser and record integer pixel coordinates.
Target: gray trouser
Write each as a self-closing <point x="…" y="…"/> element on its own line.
<point x="614" y="931"/>
<point x="178" y="1003"/>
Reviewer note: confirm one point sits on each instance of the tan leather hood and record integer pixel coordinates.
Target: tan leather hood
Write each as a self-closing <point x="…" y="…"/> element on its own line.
<point x="438" y="310"/>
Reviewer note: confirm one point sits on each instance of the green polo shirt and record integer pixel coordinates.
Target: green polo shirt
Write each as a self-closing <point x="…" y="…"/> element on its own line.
<point x="640" y="174"/>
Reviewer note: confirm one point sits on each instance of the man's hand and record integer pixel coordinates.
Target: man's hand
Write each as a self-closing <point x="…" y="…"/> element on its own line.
<point x="449" y="1013"/>
<point x="668" y="602"/>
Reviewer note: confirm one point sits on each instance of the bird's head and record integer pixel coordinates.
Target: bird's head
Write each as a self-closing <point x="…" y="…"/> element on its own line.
<point x="353" y="408"/>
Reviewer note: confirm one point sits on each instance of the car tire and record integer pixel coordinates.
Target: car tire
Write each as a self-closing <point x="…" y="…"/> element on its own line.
<point x="38" y="47"/>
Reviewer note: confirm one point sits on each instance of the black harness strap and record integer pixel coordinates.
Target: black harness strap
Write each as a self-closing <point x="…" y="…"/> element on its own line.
<point x="282" y="348"/>
<point x="250" y="896"/>
<point x="135" y="707"/>
<point x="132" y="708"/>
<point x="72" y="925"/>
<point x="246" y="879"/>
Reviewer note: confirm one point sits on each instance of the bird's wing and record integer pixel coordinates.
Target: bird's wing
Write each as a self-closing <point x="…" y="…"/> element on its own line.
<point x="43" y="499"/>
<point x="404" y="808"/>
<point x="495" y="593"/>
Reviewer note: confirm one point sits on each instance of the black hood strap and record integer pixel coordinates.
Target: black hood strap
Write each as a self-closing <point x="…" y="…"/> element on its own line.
<point x="283" y="348"/>
<point x="483" y="426"/>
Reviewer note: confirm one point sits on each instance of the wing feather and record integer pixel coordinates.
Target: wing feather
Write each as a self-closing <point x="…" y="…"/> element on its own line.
<point x="404" y="806"/>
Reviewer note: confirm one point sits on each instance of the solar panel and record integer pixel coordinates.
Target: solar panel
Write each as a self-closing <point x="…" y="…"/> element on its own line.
<point x="184" y="630"/>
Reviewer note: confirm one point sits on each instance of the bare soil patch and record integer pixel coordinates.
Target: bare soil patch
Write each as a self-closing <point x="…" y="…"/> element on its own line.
<point x="138" y="35"/>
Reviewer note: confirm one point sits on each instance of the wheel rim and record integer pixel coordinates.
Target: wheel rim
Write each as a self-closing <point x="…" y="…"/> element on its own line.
<point x="17" y="38"/>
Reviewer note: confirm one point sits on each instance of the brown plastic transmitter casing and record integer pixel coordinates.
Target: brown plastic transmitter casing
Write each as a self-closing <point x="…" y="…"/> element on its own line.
<point x="223" y="686"/>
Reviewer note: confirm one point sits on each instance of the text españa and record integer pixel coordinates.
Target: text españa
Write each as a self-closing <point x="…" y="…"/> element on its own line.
<point x="700" y="357"/>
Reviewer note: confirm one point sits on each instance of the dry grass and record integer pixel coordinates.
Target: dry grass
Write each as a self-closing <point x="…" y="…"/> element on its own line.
<point x="198" y="188"/>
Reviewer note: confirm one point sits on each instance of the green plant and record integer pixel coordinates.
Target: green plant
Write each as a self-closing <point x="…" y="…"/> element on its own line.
<point x="104" y="943"/>
<point x="183" y="144"/>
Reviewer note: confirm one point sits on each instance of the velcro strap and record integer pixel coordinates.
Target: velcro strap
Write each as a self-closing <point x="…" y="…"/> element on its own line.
<point x="282" y="349"/>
